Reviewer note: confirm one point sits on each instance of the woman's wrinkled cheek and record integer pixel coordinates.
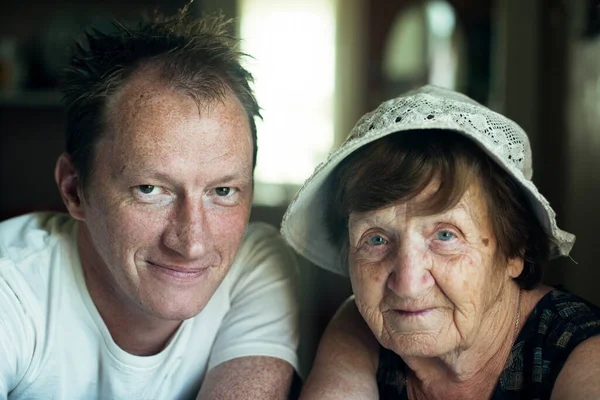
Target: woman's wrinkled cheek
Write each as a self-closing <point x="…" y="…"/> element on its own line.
<point x="368" y="284"/>
<point x="457" y="277"/>
<point x="462" y="279"/>
<point x="372" y="315"/>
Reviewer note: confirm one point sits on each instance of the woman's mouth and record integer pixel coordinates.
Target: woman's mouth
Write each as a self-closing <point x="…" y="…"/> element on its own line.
<point x="412" y="313"/>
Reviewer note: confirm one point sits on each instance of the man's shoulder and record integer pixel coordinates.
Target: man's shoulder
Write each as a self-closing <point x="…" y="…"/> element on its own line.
<point x="263" y="243"/>
<point x="260" y="230"/>
<point x="263" y="256"/>
<point x="26" y="235"/>
<point x="31" y="248"/>
<point x="29" y="291"/>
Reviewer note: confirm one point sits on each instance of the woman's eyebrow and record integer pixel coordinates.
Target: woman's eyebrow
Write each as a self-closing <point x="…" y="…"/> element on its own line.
<point x="383" y="218"/>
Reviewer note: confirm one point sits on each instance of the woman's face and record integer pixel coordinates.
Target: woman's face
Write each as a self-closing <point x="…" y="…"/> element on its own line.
<point x="427" y="285"/>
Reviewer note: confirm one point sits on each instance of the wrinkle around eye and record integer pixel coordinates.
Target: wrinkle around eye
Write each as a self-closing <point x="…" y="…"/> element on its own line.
<point x="450" y="227"/>
<point x="229" y="191"/>
<point x="160" y="196"/>
<point x="371" y="240"/>
<point x="447" y="247"/>
<point x="440" y="235"/>
<point x="233" y="197"/>
<point x="364" y="248"/>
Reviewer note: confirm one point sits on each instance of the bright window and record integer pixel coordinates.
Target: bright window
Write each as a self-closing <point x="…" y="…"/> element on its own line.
<point x="293" y="49"/>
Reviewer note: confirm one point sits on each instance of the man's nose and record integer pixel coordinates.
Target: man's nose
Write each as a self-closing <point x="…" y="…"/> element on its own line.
<point x="188" y="233"/>
<point x="410" y="277"/>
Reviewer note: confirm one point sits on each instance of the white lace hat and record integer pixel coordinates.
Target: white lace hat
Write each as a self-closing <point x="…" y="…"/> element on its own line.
<point x="429" y="107"/>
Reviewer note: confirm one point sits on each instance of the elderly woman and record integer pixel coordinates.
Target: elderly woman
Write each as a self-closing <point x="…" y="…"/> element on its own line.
<point x="430" y="209"/>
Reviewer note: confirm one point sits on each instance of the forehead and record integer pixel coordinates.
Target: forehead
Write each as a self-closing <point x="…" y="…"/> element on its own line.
<point x="146" y="101"/>
<point x="471" y="207"/>
<point x="149" y="118"/>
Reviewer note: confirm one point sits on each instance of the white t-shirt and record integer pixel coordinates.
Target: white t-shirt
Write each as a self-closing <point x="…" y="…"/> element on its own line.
<point x="54" y="344"/>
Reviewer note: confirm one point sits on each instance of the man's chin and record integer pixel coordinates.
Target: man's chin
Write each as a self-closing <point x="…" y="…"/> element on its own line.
<point x="175" y="309"/>
<point x="176" y="315"/>
<point x="174" y="302"/>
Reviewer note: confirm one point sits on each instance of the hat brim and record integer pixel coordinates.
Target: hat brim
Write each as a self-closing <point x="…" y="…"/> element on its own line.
<point x="304" y="223"/>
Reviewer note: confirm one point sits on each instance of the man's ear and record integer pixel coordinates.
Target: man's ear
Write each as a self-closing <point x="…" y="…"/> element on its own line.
<point x="68" y="184"/>
<point x="515" y="266"/>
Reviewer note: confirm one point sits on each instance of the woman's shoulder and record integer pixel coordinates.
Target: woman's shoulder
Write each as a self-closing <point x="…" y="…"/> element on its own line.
<point x="559" y="321"/>
<point x="562" y="312"/>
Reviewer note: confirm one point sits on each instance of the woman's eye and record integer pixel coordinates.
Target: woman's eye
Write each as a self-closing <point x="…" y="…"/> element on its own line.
<point x="223" y="191"/>
<point x="445" y="236"/>
<point x="147" y="189"/>
<point x="376" y="240"/>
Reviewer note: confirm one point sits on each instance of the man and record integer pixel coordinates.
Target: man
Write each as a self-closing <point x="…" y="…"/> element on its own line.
<point x="155" y="286"/>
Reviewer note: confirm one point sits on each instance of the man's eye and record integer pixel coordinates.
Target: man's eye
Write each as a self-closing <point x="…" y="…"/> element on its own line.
<point x="147" y="189"/>
<point x="223" y="191"/>
<point x="376" y="240"/>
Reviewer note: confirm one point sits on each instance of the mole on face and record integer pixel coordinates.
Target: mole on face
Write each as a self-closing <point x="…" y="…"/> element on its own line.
<point x="485" y="241"/>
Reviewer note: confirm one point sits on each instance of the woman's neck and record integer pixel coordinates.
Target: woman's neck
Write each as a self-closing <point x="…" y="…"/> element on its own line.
<point x="472" y="371"/>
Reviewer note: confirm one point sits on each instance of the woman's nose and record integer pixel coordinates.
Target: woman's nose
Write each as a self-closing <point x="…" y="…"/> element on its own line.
<point x="410" y="277"/>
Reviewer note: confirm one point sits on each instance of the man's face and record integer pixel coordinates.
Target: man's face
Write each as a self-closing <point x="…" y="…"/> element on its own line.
<point x="168" y="200"/>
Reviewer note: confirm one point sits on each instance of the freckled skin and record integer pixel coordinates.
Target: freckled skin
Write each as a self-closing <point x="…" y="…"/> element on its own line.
<point x="161" y="137"/>
<point x="469" y="295"/>
<point x="267" y="382"/>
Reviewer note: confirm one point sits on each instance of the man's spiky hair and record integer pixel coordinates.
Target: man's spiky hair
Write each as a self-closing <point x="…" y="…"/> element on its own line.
<point x="194" y="55"/>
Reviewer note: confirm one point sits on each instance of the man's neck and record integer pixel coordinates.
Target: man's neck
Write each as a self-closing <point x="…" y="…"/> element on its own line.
<point x="133" y="330"/>
<point x="473" y="370"/>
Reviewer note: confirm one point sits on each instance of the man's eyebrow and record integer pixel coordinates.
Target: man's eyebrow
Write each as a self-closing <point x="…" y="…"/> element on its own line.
<point x="152" y="172"/>
<point x="143" y="172"/>
<point x="242" y="178"/>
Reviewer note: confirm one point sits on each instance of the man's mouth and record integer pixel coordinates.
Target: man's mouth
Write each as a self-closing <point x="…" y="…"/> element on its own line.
<point x="179" y="272"/>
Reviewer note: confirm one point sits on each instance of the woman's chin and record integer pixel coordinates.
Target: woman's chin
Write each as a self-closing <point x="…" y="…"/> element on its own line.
<point x="418" y="345"/>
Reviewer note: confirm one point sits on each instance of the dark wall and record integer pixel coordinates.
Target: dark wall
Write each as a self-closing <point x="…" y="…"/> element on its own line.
<point x="34" y="43"/>
<point x="31" y="141"/>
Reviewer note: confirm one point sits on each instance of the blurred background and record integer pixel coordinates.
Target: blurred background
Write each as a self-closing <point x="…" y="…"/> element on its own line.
<point x="319" y="65"/>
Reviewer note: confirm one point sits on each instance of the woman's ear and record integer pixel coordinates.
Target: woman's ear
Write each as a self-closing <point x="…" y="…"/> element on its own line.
<point x="515" y="266"/>
<point x="68" y="184"/>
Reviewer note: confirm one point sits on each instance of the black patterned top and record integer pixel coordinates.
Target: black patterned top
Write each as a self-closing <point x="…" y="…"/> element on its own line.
<point x="558" y="323"/>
